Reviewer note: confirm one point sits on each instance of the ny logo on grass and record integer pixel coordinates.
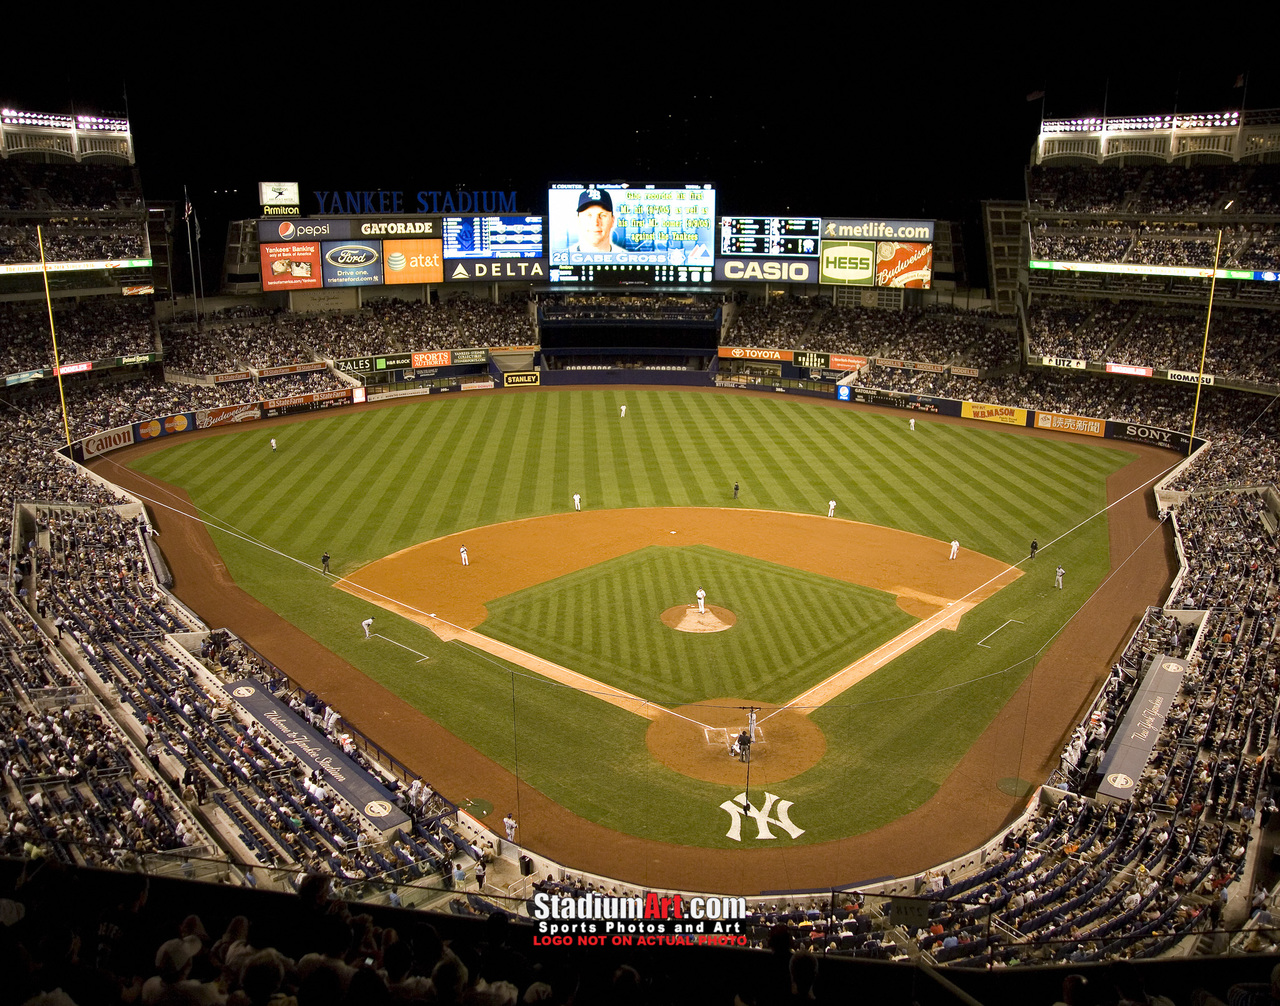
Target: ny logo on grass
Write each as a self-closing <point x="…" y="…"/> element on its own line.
<point x="760" y="815"/>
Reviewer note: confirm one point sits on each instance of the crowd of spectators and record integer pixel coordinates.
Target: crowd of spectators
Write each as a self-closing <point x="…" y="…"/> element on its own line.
<point x="72" y="239"/>
<point x="1158" y="190"/>
<point x="32" y="186"/>
<point x="778" y="321"/>
<point x="1242" y="343"/>
<point x="96" y="329"/>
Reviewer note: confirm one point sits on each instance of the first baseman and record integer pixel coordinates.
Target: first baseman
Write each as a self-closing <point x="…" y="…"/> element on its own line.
<point x="955" y="548"/>
<point x="577" y="501"/>
<point x="831" y="508"/>
<point x="1057" y="579"/>
<point x="463" y="552"/>
<point x="702" y="601"/>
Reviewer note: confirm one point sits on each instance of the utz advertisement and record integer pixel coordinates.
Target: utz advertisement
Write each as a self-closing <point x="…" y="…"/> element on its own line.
<point x="351" y="263"/>
<point x="413" y="261"/>
<point x="904" y="265"/>
<point x="293" y="266"/>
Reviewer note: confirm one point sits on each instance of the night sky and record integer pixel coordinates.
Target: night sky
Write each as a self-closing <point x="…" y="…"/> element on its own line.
<point x="789" y="137"/>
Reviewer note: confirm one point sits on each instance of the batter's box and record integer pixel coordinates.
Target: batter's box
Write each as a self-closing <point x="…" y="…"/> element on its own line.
<point x="716" y="737"/>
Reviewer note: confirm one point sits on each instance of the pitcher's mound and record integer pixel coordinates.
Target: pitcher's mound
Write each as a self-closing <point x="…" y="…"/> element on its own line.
<point x="687" y="618"/>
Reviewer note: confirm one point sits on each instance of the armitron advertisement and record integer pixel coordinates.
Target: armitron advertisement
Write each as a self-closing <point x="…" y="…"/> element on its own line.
<point x="994" y="413"/>
<point x="906" y="265"/>
<point x="293" y="266"/>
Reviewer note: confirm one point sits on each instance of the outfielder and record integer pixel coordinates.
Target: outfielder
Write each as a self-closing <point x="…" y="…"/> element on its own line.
<point x="273" y="445"/>
<point x="913" y="425"/>
<point x="577" y="501"/>
<point x="623" y="414"/>
<point x="955" y="548"/>
<point x="1057" y="579"/>
<point x="702" y="601"/>
<point x="831" y="508"/>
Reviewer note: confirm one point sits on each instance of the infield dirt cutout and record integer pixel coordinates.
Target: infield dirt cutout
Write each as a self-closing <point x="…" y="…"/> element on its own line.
<point x="428" y="584"/>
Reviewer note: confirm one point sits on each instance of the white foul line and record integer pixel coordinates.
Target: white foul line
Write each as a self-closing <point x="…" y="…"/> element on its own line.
<point x="983" y="641"/>
<point x="403" y="647"/>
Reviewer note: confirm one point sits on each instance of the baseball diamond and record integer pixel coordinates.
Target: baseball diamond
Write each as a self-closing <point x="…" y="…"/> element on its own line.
<point x="885" y="772"/>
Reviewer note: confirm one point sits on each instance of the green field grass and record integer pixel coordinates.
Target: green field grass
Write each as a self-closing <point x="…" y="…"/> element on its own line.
<point x="362" y="485"/>
<point x="794" y="628"/>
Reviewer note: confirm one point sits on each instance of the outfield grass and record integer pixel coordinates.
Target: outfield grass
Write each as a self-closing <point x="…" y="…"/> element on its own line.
<point x="794" y="628"/>
<point x="362" y="485"/>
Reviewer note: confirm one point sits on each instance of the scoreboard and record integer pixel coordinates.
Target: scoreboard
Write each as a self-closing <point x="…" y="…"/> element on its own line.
<point x="770" y="237"/>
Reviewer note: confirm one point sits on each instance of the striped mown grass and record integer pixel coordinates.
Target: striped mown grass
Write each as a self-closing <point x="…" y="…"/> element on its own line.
<point x="793" y="630"/>
<point x="362" y="485"/>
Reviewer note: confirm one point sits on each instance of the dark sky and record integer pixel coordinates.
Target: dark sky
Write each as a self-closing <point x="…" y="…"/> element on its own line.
<point x="779" y="128"/>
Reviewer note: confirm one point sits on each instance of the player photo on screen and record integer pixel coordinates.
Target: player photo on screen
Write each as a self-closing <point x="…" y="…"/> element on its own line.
<point x="600" y="225"/>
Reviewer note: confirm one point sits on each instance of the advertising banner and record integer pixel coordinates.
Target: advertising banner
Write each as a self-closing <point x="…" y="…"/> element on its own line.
<point x="520" y="378"/>
<point x="100" y="443"/>
<point x="469" y="356"/>
<point x="907" y="265"/>
<point x="241" y="375"/>
<point x="209" y="418"/>
<point x="351" y="263"/>
<point x="931" y="368"/>
<point x="419" y="261"/>
<point x="314" y="750"/>
<point x="305" y="403"/>
<point x="1125" y="368"/>
<point x="747" y="353"/>
<point x="433" y="358"/>
<point x="1188" y="376"/>
<point x="763" y="270"/>
<point x="1139" y="434"/>
<point x="165" y="425"/>
<point x="374" y="364"/>
<point x="1062" y="361"/>
<point x="290" y="368"/>
<point x="1071" y="424"/>
<point x="310" y="229"/>
<point x="966" y="371"/>
<point x="472" y="271"/>
<point x="847" y="263"/>
<point x="73" y="368"/>
<point x="25" y="377"/>
<point x="994" y="413"/>
<point x="294" y="266"/>
<point x="841" y="361"/>
<point x="885" y="230"/>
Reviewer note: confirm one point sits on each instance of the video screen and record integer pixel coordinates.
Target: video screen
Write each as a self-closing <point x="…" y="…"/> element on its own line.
<point x="492" y="237"/>
<point x="631" y="233"/>
<point x="770" y="237"/>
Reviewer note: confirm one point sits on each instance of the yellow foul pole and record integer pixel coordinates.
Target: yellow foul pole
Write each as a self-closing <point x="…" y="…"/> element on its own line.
<point x="57" y="367"/>
<point x="1204" y="348"/>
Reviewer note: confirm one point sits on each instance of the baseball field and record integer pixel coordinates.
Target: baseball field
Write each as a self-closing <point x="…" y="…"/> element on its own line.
<point x="565" y="673"/>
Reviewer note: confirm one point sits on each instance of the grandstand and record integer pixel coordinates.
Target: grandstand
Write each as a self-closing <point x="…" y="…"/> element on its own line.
<point x="126" y="744"/>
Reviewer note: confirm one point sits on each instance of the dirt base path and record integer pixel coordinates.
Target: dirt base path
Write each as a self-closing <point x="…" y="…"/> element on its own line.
<point x="1024" y="740"/>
